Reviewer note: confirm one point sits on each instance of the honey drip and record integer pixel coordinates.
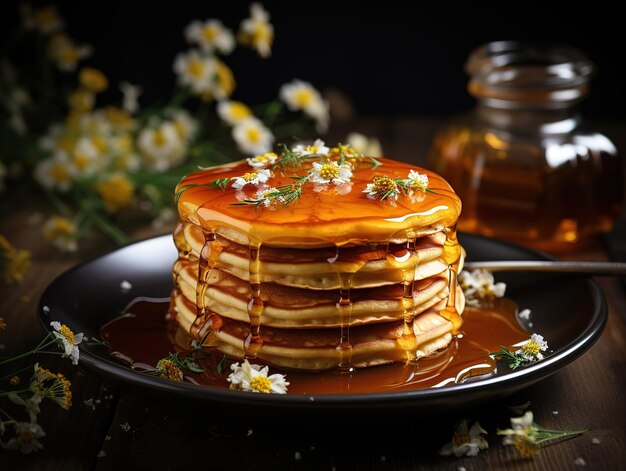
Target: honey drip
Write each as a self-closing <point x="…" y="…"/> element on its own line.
<point x="254" y="341"/>
<point x="206" y="320"/>
<point x="345" y="311"/>
<point x="452" y="256"/>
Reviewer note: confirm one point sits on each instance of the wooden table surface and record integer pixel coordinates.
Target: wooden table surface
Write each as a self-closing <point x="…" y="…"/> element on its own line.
<point x="114" y="426"/>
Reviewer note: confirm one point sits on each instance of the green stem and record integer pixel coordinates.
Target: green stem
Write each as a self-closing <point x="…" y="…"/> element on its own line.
<point x="31" y="352"/>
<point x="15" y="373"/>
<point x="110" y="229"/>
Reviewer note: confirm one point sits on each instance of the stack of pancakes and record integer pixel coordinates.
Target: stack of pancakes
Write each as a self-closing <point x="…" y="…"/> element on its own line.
<point x="329" y="297"/>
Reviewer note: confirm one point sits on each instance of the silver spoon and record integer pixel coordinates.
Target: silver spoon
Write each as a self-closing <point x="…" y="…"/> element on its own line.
<point x="592" y="268"/>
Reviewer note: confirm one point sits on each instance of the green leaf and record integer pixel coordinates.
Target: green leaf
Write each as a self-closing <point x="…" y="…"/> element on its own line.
<point x="220" y="365"/>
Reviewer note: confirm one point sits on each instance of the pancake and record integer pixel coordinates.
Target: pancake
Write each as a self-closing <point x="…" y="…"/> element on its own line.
<point x="332" y="277"/>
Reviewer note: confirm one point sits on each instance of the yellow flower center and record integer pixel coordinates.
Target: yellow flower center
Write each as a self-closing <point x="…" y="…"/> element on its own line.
<point x="261" y="384"/>
<point x="527" y="448"/>
<point x="531" y="348"/>
<point x="303" y="97"/>
<point x="210" y="33"/>
<point x="60" y="173"/>
<point x="99" y="143"/>
<point x="60" y="227"/>
<point x="66" y="332"/>
<point x="329" y="171"/>
<point x="384" y="184"/>
<point x="239" y="111"/>
<point x="92" y="79"/>
<point x="159" y="138"/>
<point x="261" y="33"/>
<point x="116" y="192"/>
<point x="460" y="438"/>
<point x="250" y="176"/>
<point x="169" y="370"/>
<point x="195" y="68"/>
<point x="253" y="135"/>
<point x="80" y="160"/>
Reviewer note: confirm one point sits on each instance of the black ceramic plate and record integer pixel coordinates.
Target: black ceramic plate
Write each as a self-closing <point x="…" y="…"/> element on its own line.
<point x="570" y="311"/>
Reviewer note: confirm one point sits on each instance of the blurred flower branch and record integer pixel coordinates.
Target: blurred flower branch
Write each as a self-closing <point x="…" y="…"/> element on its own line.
<point x="92" y="161"/>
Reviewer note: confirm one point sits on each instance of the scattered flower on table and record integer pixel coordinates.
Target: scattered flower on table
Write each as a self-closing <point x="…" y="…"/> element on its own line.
<point x="13" y="263"/>
<point x="61" y="232"/>
<point x="68" y="341"/>
<point x="254" y="378"/>
<point x="479" y="285"/>
<point x="466" y="440"/>
<point x="526" y="435"/>
<point x="26" y="439"/>
<point x="256" y="31"/>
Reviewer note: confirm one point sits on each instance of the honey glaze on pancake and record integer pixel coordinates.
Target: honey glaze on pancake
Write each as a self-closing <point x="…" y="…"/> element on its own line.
<point x="320" y="217"/>
<point x="147" y="333"/>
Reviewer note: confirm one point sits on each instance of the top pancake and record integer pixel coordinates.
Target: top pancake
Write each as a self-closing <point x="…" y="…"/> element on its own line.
<point x="322" y="216"/>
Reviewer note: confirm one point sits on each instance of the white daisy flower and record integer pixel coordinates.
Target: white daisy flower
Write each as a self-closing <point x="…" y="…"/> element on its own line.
<point x="480" y="285"/>
<point x="318" y="148"/>
<point x="465" y="442"/>
<point x="210" y="35"/>
<point x="417" y="181"/>
<point x="254" y="378"/>
<point x="27" y="437"/>
<point x="56" y="172"/>
<point x="252" y="178"/>
<point x="253" y="137"/>
<point x="531" y="350"/>
<point x="185" y="125"/>
<point x="130" y="96"/>
<point x="327" y="172"/>
<point x="61" y="233"/>
<point x="256" y="31"/>
<point x="161" y="146"/>
<point x="383" y="188"/>
<point x="68" y="341"/>
<point x="261" y="161"/>
<point x="300" y="95"/>
<point x="85" y="158"/>
<point x="233" y="112"/>
<point x="364" y="145"/>
<point x="196" y="71"/>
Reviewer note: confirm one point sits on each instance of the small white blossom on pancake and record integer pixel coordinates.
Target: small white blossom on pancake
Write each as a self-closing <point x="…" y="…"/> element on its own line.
<point x="300" y="95"/>
<point x="233" y="112"/>
<point x="26" y="439"/>
<point x="254" y="378"/>
<point x="526" y="435"/>
<point x="480" y="285"/>
<point x="68" y="341"/>
<point x="251" y="178"/>
<point x="382" y="188"/>
<point x="327" y="172"/>
<point x="253" y="137"/>
<point x="130" y="96"/>
<point x="265" y="160"/>
<point x="417" y="181"/>
<point x="364" y="145"/>
<point x="257" y="31"/>
<point x="210" y="35"/>
<point x="532" y="349"/>
<point x="318" y="148"/>
<point x="465" y="441"/>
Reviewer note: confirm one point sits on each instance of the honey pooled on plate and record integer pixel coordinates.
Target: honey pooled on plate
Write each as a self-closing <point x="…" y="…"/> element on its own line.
<point x="317" y="259"/>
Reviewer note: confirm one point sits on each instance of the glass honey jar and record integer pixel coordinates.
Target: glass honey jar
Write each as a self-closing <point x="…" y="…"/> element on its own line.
<point x="526" y="166"/>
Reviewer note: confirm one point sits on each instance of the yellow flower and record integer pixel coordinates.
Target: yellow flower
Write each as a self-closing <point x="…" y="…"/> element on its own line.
<point x="117" y="192"/>
<point x="81" y="101"/>
<point x="233" y="112"/>
<point x="347" y="151"/>
<point x="196" y="71"/>
<point x="16" y="262"/>
<point x="256" y="31"/>
<point x="60" y="232"/>
<point x="53" y="386"/>
<point x="169" y="370"/>
<point x="210" y="35"/>
<point x="121" y="119"/>
<point x="93" y="79"/>
<point x="45" y="20"/>
<point x="382" y="188"/>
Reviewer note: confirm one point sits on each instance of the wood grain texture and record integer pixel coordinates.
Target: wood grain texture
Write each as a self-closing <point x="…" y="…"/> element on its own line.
<point x="163" y="434"/>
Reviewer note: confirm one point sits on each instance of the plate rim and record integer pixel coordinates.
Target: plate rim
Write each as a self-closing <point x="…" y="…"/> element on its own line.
<point x="528" y="375"/>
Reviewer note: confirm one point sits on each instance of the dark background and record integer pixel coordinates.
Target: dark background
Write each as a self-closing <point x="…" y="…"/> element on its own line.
<point x="385" y="59"/>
